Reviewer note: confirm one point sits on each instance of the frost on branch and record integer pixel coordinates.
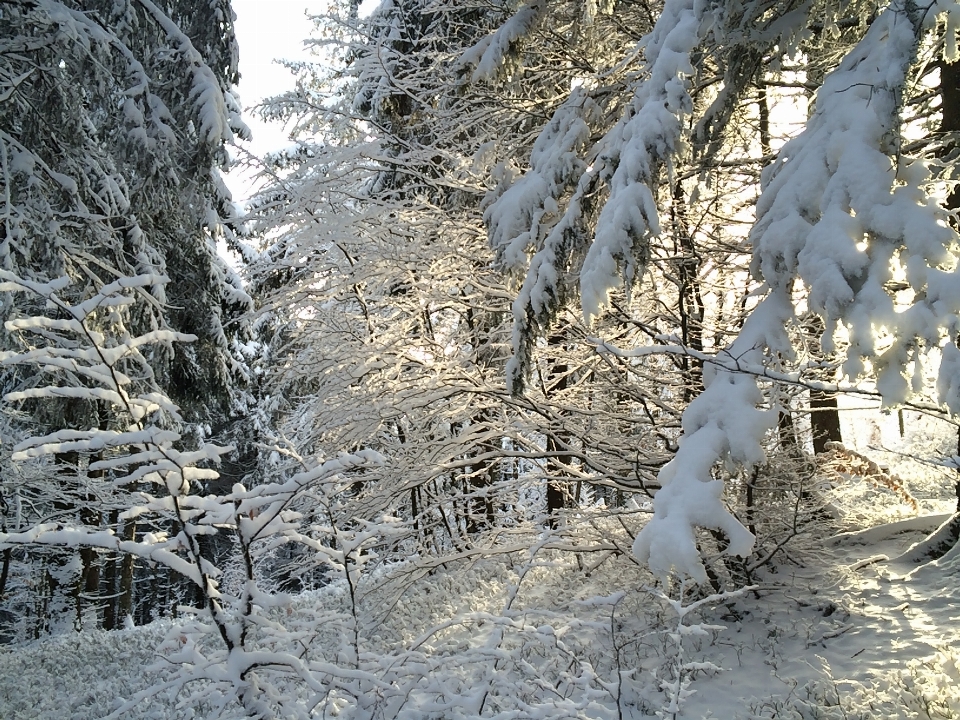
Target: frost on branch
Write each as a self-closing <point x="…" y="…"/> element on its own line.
<point x="516" y="218"/>
<point x="137" y="467"/>
<point x="527" y="211"/>
<point x="843" y="211"/>
<point x="112" y="138"/>
<point x="91" y="357"/>
<point x="636" y="150"/>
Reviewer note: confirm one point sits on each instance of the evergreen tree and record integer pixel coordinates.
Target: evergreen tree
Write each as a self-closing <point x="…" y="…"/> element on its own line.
<point x="845" y="213"/>
<point x="114" y="123"/>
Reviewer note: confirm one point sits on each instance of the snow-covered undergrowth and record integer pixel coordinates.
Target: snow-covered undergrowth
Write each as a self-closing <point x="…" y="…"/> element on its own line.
<point x="832" y="631"/>
<point x="81" y="675"/>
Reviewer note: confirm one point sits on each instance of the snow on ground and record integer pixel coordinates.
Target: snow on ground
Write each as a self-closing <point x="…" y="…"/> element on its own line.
<point x="78" y="676"/>
<point x="852" y="641"/>
<point x="837" y="632"/>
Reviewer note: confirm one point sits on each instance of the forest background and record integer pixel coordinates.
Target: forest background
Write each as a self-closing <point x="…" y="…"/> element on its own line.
<point x="561" y="294"/>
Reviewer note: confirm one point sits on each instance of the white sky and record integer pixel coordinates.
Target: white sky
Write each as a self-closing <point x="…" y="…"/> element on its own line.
<point x="267" y="30"/>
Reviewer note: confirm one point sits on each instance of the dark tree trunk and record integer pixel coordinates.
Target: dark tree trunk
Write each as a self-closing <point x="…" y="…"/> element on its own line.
<point x="8" y="553"/>
<point x="950" y="123"/>
<point x="555" y="492"/>
<point x="88" y="584"/>
<point x="690" y="305"/>
<point x="950" y="109"/>
<point x="481" y="514"/>
<point x="5" y="569"/>
<point x="787" y="433"/>
<point x="557" y="450"/>
<point x="480" y="480"/>
<point x="824" y="413"/>
<point x="125" y="604"/>
<point x="110" y="573"/>
<point x="824" y="420"/>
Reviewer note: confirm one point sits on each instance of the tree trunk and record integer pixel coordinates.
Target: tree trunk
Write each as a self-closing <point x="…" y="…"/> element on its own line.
<point x="8" y="553"/>
<point x="559" y="458"/>
<point x="950" y="120"/>
<point x="480" y="514"/>
<point x="950" y="123"/>
<point x="88" y="584"/>
<point x="125" y="605"/>
<point x="824" y="420"/>
<point x="555" y="491"/>
<point x="110" y="581"/>
<point x="690" y="305"/>
<point x="5" y="570"/>
<point x="824" y="413"/>
<point x="787" y="434"/>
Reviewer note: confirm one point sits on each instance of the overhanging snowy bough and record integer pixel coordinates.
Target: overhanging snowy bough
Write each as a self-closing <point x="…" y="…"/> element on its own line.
<point x="843" y="210"/>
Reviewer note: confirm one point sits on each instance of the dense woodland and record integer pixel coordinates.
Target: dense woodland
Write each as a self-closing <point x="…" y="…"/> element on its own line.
<point x="583" y="279"/>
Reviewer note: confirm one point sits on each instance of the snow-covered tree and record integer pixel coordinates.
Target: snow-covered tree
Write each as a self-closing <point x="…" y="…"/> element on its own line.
<point x="138" y="468"/>
<point x="388" y="312"/>
<point x="114" y="123"/>
<point x="848" y="227"/>
<point x="383" y="289"/>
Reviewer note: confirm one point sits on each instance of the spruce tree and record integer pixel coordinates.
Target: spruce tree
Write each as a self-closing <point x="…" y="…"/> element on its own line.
<point x="115" y="118"/>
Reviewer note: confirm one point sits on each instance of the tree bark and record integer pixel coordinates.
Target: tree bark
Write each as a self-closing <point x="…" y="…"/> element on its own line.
<point x="110" y="581"/>
<point x="950" y="115"/>
<point x="824" y="420"/>
<point x="125" y="605"/>
<point x="950" y="123"/>
<point x="8" y="553"/>
<point x="560" y="459"/>
<point x="690" y="305"/>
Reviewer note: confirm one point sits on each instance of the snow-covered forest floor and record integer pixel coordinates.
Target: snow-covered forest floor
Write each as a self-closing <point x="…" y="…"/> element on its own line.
<point x="836" y="629"/>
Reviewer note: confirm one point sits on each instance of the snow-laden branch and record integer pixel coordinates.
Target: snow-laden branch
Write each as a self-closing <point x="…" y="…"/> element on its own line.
<point x="152" y="548"/>
<point x="724" y="422"/>
<point x="798" y="376"/>
<point x="490" y="54"/>
<point x="218" y="114"/>
<point x="514" y="219"/>
<point x="838" y="213"/>
<point x="639" y="147"/>
<point x="843" y="212"/>
<point x="534" y="215"/>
